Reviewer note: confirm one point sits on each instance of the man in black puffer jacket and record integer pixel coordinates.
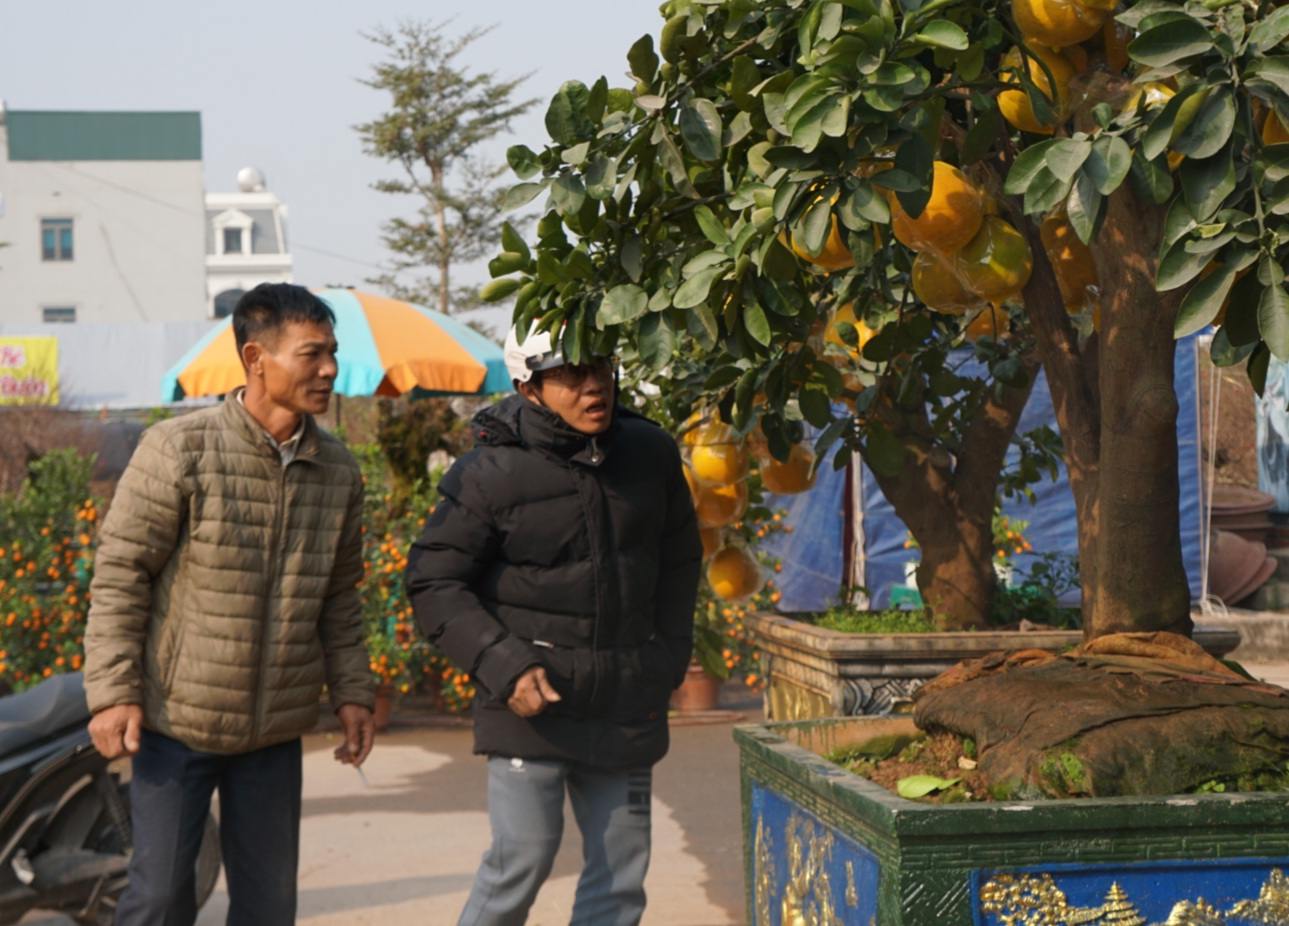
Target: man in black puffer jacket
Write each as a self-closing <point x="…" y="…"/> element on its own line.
<point x="560" y="570"/>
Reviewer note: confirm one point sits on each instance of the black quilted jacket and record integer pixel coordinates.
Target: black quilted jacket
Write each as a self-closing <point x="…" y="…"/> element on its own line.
<point x="578" y="554"/>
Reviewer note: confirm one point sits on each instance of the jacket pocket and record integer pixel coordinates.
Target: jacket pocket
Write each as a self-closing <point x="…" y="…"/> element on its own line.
<point x="169" y="664"/>
<point x="644" y="679"/>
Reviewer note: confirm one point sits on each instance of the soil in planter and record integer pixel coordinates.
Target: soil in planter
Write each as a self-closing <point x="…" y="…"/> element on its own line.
<point x="1127" y="714"/>
<point x="1144" y="714"/>
<point x="949" y="758"/>
<point x="888" y="760"/>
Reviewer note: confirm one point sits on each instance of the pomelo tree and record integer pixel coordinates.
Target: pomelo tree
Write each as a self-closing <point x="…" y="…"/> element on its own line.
<point x="801" y="203"/>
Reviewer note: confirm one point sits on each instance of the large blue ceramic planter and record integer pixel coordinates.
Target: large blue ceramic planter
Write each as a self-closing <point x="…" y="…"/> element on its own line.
<point x="823" y="846"/>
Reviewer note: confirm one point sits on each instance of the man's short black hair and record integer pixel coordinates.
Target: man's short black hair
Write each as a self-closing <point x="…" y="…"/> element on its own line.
<point x="262" y="312"/>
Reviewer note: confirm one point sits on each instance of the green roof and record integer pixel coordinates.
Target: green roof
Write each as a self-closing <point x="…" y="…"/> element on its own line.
<point x="103" y="136"/>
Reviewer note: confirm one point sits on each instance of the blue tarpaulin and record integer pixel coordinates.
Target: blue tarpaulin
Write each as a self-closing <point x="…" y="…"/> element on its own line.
<point x="814" y="554"/>
<point x="1273" y="436"/>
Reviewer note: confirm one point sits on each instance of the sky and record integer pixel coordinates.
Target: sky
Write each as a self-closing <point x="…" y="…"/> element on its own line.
<point x="277" y="85"/>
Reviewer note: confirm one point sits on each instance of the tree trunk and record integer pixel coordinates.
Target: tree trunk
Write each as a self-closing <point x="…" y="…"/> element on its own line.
<point x="956" y="575"/>
<point x="445" y="253"/>
<point x="949" y="510"/>
<point x="1117" y="413"/>
<point x="1141" y="581"/>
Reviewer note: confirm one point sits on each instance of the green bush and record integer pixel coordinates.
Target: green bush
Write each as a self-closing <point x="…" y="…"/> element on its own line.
<point x="48" y="531"/>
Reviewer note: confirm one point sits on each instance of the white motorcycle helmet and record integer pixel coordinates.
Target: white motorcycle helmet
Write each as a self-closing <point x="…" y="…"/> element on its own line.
<point x="537" y="352"/>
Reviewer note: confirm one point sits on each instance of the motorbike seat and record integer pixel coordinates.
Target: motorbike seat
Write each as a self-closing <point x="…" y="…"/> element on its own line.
<point x="40" y="712"/>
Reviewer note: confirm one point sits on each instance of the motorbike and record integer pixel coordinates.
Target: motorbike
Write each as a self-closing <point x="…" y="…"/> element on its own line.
<point x="65" y="811"/>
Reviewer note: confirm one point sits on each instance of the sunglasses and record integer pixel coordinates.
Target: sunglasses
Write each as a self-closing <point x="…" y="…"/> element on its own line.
<point x="572" y="374"/>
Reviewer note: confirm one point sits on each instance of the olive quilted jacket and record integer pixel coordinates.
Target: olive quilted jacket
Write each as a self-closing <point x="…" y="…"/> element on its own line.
<point x="224" y="591"/>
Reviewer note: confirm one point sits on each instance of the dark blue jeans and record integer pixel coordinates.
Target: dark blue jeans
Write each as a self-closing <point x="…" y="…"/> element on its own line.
<point x="259" y="823"/>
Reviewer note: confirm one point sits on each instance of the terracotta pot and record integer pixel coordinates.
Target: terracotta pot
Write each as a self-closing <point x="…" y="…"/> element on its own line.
<point x="699" y="691"/>
<point x="384" y="708"/>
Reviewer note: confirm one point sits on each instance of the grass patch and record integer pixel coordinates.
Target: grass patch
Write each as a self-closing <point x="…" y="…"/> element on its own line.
<point x="892" y="620"/>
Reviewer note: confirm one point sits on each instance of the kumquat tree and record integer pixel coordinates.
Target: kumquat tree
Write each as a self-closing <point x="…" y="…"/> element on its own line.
<point x="797" y="208"/>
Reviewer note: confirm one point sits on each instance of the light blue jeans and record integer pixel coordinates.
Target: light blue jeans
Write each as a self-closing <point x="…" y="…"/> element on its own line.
<point x="526" y="810"/>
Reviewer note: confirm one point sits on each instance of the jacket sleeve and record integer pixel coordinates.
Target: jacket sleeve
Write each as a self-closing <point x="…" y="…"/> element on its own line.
<point x="340" y="625"/>
<point x="680" y="561"/>
<point x="459" y="542"/>
<point x="137" y="539"/>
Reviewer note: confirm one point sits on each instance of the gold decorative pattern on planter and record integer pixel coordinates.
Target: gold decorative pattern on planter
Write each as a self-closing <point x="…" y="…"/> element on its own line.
<point x="1118" y="909"/>
<point x="1036" y="900"/>
<point x="790" y="701"/>
<point x="1272" y="905"/>
<point x="807" y="898"/>
<point x="764" y="862"/>
<point x="1198" y="913"/>
<point x="807" y="893"/>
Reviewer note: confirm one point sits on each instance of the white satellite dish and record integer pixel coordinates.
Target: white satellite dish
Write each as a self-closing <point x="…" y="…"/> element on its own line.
<point x="250" y="180"/>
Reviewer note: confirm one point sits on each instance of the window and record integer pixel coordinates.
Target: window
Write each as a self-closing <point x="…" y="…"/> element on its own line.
<point x="233" y="241"/>
<point x="58" y="313"/>
<point x="55" y="239"/>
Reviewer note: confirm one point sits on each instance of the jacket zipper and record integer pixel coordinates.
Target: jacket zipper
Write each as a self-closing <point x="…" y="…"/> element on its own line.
<point x="275" y="557"/>
<point x="578" y="476"/>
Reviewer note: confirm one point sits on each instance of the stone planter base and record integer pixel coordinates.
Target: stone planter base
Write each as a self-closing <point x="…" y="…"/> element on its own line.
<point x="823" y="845"/>
<point x="813" y="672"/>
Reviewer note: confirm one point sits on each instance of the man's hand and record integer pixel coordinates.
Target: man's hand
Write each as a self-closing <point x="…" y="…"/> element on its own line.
<point x="532" y="694"/>
<point x="116" y="730"/>
<point x="360" y="734"/>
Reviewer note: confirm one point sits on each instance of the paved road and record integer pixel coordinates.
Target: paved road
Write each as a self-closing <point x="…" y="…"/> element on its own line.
<point x="402" y="848"/>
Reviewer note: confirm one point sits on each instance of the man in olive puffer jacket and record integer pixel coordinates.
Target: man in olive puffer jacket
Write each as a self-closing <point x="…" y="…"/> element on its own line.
<point x="560" y="570"/>
<point x="224" y="597"/>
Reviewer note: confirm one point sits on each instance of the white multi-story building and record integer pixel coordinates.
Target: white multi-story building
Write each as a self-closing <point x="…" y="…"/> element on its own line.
<point x="102" y="215"/>
<point x="245" y="242"/>
<point x="104" y="219"/>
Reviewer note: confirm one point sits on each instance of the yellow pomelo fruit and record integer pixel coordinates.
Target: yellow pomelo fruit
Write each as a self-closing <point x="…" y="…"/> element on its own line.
<point x="1015" y="105"/>
<point x="719" y="464"/>
<point x="691" y="481"/>
<point x="832" y="335"/>
<point x="951" y="218"/>
<point x="836" y="254"/>
<point x="1071" y="261"/>
<point x="996" y="264"/>
<point x="720" y="506"/>
<point x="700" y="431"/>
<point x="936" y="284"/>
<point x="1274" y="132"/>
<point x="792" y="476"/>
<point x="992" y="322"/>
<point x="712" y="541"/>
<point x="734" y="574"/>
<point x="1057" y="23"/>
<point x="1157" y="95"/>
